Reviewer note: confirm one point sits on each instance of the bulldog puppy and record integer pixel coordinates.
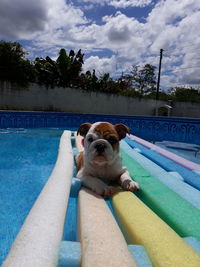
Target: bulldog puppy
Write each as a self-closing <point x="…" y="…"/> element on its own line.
<point x="99" y="165"/>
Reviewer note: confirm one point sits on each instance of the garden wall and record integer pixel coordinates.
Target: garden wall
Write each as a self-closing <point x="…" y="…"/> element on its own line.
<point x="39" y="98"/>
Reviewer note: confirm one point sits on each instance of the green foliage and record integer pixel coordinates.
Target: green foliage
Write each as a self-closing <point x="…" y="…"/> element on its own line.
<point x="90" y="82"/>
<point x="143" y="79"/>
<point x="13" y="65"/>
<point x="47" y="72"/>
<point x="184" y="94"/>
<point x="66" y="71"/>
<point x="63" y="64"/>
<point x="162" y="96"/>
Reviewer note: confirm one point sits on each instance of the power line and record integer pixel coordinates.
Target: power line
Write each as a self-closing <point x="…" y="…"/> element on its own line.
<point x="179" y="51"/>
<point x="179" y="69"/>
<point x="169" y="49"/>
<point x="194" y="67"/>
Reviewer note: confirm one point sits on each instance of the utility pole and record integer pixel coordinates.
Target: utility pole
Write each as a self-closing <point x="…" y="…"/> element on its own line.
<point x="159" y="70"/>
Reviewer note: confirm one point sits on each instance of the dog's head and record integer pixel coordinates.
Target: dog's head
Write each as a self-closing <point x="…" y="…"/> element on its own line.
<point x="101" y="140"/>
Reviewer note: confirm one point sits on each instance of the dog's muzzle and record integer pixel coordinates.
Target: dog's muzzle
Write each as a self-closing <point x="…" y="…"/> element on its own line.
<point x="100" y="147"/>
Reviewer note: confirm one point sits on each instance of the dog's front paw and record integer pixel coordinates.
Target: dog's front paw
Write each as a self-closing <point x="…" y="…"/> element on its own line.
<point x="105" y="191"/>
<point x="109" y="191"/>
<point x="130" y="185"/>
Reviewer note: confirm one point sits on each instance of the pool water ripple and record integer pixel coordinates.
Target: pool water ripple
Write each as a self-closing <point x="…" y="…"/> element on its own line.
<point x="27" y="158"/>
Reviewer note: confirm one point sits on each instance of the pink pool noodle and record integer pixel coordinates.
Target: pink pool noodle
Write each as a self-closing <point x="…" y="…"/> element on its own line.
<point x="180" y="160"/>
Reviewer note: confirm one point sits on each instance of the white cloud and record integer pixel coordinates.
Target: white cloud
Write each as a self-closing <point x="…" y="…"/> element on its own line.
<point x="18" y="17"/>
<point x="130" y="3"/>
<point x="101" y="65"/>
<point x="51" y="24"/>
<point x="88" y="6"/>
<point x="173" y="25"/>
<point x="171" y="11"/>
<point x="119" y="3"/>
<point x="22" y="19"/>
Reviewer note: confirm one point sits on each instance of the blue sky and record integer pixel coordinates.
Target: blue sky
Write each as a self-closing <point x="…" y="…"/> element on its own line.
<point x="113" y="34"/>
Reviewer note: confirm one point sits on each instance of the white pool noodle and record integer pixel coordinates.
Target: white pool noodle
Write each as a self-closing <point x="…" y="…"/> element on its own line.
<point x="102" y="242"/>
<point x="38" y="241"/>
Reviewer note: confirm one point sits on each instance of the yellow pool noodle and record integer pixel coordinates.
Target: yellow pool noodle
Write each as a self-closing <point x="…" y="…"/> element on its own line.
<point x="142" y="226"/>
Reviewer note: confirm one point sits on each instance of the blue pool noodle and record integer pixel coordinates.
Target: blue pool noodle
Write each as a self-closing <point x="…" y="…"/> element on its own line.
<point x="193" y="242"/>
<point x="70" y="227"/>
<point x="75" y="187"/>
<point x="140" y="256"/>
<point x="69" y="254"/>
<point x="186" y="191"/>
<point x="190" y="177"/>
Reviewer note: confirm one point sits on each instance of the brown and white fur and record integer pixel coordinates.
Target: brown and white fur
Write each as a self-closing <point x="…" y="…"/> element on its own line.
<point x="99" y="165"/>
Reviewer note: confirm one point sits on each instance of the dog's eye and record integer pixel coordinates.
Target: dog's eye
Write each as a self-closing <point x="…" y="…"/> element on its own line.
<point x="112" y="140"/>
<point x="90" y="139"/>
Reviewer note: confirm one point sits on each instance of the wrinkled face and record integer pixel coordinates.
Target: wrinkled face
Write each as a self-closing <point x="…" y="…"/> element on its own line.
<point x="101" y="141"/>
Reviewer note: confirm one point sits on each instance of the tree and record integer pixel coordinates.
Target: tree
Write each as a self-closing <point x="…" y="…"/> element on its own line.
<point x="105" y="83"/>
<point x="13" y="65"/>
<point x="63" y="66"/>
<point x="69" y="66"/>
<point x="184" y="94"/>
<point x="47" y="72"/>
<point x="143" y="79"/>
<point x="64" y="72"/>
<point x="88" y="81"/>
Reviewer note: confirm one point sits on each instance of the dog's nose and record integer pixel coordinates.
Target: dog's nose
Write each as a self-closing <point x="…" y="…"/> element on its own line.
<point x="100" y="147"/>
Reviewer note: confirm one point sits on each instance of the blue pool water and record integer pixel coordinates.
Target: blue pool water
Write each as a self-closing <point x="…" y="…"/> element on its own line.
<point x="187" y="151"/>
<point x="27" y="157"/>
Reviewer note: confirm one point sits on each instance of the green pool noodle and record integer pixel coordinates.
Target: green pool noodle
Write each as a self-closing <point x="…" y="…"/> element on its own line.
<point x="179" y="214"/>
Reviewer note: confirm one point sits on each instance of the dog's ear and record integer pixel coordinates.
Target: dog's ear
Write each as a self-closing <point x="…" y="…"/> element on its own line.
<point x="84" y="128"/>
<point x="122" y="130"/>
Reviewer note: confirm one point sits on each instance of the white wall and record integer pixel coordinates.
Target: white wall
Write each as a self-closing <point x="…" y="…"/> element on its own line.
<point x="186" y="109"/>
<point x="37" y="98"/>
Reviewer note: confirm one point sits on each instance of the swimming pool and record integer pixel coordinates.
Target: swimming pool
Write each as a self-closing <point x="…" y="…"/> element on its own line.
<point x="27" y="157"/>
<point x="24" y="174"/>
<point x="150" y="128"/>
<point x="188" y="151"/>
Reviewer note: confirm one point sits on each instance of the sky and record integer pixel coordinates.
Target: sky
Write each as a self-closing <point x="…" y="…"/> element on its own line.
<point x="114" y="35"/>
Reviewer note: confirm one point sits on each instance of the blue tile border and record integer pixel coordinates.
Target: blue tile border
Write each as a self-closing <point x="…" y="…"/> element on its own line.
<point x="147" y="127"/>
